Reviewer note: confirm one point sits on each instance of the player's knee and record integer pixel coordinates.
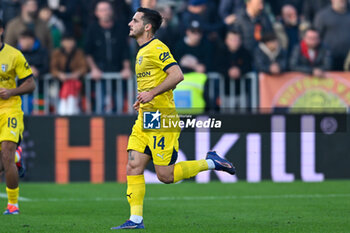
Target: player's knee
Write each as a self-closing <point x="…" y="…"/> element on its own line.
<point x="166" y="179"/>
<point x="133" y="168"/>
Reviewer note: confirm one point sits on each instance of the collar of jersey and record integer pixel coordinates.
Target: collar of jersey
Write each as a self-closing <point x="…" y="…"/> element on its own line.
<point x="3" y="45"/>
<point x="145" y="44"/>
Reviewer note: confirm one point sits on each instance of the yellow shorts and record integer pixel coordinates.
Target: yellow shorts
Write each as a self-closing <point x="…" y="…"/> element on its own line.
<point x="161" y="146"/>
<point x="11" y="126"/>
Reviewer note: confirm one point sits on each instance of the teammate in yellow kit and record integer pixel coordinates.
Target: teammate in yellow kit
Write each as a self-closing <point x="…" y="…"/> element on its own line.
<point x="13" y="64"/>
<point x="157" y="75"/>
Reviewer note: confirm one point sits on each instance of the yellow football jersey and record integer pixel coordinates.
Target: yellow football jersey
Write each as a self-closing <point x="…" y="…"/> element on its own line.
<point x="13" y="64"/>
<point x="152" y="61"/>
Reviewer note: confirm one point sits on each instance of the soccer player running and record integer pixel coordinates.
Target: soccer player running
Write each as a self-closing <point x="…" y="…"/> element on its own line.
<point x="13" y="64"/>
<point x="157" y="75"/>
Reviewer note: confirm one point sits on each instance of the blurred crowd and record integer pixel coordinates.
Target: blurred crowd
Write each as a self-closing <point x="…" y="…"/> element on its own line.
<point x="71" y="38"/>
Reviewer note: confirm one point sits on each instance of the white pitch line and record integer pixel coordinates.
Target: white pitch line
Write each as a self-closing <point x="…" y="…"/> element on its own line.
<point x="4" y="196"/>
<point x="186" y="198"/>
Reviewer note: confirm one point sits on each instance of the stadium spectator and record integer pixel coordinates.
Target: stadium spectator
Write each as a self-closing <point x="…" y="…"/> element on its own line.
<point x="9" y="9"/>
<point x="228" y="10"/>
<point x="312" y="7"/>
<point x="269" y="57"/>
<point x="55" y="25"/>
<point x="37" y="57"/>
<point x="277" y="5"/>
<point x="206" y="14"/>
<point x="68" y="65"/>
<point x="66" y="10"/>
<point x="289" y="28"/>
<point x="168" y="32"/>
<point x="252" y="23"/>
<point x="107" y="48"/>
<point x="310" y="56"/>
<point x="233" y="60"/>
<point x="28" y="20"/>
<point x="190" y="95"/>
<point x="122" y="10"/>
<point x="333" y="24"/>
<point x="196" y="46"/>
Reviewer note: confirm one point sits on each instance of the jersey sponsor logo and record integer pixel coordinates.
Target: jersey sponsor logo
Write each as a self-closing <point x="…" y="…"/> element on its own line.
<point x="4" y="79"/>
<point x="144" y="74"/>
<point x="26" y="65"/>
<point x="140" y="60"/>
<point x="164" y="56"/>
<point x="4" y="67"/>
<point x="151" y="120"/>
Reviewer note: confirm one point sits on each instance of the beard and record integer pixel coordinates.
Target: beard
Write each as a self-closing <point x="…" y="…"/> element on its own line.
<point x="135" y="34"/>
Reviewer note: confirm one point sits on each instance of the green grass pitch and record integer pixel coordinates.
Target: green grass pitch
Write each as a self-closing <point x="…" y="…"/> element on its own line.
<point x="186" y="207"/>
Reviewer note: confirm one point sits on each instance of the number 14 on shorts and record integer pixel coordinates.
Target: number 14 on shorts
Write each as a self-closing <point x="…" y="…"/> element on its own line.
<point x="159" y="143"/>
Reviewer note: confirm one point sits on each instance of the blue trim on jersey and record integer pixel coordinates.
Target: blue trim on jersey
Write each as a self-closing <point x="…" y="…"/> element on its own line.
<point x="25" y="78"/>
<point x="3" y="45"/>
<point x="145" y="44"/>
<point x="169" y="65"/>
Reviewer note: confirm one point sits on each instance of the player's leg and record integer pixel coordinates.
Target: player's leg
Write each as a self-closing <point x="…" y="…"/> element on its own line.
<point x="164" y="151"/>
<point x="1" y="166"/>
<point x="137" y="163"/>
<point x="182" y="170"/>
<point x="8" y="150"/>
<point x="136" y="190"/>
<point x="18" y="161"/>
<point x="187" y="169"/>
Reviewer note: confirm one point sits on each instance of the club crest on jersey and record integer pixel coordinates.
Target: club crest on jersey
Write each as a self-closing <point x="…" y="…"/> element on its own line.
<point x="4" y="67"/>
<point x="140" y="60"/>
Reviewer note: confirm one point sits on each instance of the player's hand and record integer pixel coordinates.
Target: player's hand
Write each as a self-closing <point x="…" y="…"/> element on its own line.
<point x="136" y="105"/>
<point x="145" y="97"/>
<point x="5" y="94"/>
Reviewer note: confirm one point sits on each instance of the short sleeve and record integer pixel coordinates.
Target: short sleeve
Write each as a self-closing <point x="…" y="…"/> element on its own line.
<point x="23" y="69"/>
<point x="163" y="58"/>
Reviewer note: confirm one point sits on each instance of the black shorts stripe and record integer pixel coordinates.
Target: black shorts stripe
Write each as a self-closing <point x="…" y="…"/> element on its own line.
<point x="173" y="157"/>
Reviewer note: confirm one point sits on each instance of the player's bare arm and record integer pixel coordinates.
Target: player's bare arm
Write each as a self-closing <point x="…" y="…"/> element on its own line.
<point x="26" y="87"/>
<point x="174" y="77"/>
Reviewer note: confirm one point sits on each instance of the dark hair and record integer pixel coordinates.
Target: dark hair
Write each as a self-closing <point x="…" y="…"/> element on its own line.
<point x="68" y="36"/>
<point x="268" y="37"/>
<point x="1" y="24"/>
<point x="24" y="2"/>
<point x="151" y="17"/>
<point x="103" y="1"/>
<point x="28" y="33"/>
<point x="233" y="31"/>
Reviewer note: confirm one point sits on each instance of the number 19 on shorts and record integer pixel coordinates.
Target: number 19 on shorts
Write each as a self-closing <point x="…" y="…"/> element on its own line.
<point x="159" y="143"/>
<point x="12" y="122"/>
